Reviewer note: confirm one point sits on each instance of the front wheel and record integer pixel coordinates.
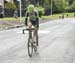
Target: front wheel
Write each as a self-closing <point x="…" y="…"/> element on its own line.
<point x="30" y="47"/>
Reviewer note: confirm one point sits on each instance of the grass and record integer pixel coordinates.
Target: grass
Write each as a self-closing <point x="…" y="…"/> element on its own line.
<point x="56" y="16"/>
<point x="9" y="18"/>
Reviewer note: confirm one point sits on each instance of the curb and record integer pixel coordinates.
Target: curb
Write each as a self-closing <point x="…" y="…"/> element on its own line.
<point x="16" y="26"/>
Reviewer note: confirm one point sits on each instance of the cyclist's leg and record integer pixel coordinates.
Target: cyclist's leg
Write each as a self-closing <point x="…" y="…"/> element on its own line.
<point x="29" y="24"/>
<point x="36" y="31"/>
<point x="36" y="25"/>
<point x="36" y="34"/>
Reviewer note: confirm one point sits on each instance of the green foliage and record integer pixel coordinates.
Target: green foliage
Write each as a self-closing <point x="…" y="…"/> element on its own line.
<point x="73" y="6"/>
<point x="71" y="2"/>
<point x="59" y="5"/>
<point x="47" y="4"/>
<point x="10" y="5"/>
<point x="67" y="6"/>
<point x="40" y="10"/>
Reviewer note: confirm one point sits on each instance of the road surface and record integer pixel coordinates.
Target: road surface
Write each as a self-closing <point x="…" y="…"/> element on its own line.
<point x="56" y="44"/>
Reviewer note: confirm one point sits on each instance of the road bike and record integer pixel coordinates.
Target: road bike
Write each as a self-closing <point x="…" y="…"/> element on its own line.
<point x="31" y="45"/>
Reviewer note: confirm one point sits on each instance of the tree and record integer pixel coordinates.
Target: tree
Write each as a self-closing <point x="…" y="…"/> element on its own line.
<point x="67" y="6"/>
<point x="70" y="2"/>
<point x="16" y="2"/>
<point x="10" y="5"/>
<point x="73" y="6"/>
<point x="47" y="4"/>
<point x="60" y="5"/>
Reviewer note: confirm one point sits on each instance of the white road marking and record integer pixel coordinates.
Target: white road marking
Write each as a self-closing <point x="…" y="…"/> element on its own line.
<point x="40" y="31"/>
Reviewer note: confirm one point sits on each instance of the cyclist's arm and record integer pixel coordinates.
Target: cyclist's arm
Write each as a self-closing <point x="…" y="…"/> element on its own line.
<point x="36" y="14"/>
<point x="37" y="19"/>
<point x="26" y="18"/>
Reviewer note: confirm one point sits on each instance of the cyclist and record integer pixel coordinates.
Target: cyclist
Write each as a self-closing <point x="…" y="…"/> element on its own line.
<point x="31" y="16"/>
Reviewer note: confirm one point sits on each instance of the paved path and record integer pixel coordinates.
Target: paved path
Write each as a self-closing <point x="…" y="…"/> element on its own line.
<point x="56" y="39"/>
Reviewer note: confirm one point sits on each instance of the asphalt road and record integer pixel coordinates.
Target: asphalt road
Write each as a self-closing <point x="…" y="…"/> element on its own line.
<point x="56" y="44"/>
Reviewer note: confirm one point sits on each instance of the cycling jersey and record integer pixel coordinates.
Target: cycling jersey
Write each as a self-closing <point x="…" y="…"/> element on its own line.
<point x="33" y="18"/>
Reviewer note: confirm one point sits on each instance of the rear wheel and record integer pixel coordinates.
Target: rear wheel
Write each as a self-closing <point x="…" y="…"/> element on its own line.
<point x="30" y="47"/>
<point x="35" y="45"/>
<point x="35" y="48"/>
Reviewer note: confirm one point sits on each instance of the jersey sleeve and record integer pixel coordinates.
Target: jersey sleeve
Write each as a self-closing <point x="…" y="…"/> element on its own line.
<point x="26" y="18"/>
<point x="36" y="14"/>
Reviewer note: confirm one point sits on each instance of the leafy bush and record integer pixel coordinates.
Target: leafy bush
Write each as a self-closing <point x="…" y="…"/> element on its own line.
<point x="73" y="6"/>
<point x="10" y="5"/>
<point x="40" y="10"/>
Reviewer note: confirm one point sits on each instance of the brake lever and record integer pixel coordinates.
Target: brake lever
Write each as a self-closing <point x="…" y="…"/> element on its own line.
<point x="23" y="31"/>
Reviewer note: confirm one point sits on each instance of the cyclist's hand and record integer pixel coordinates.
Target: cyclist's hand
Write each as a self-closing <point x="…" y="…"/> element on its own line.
<point x="27" y="27"/>
<point x="30" y="24"/>
<point x="33" y="27"/>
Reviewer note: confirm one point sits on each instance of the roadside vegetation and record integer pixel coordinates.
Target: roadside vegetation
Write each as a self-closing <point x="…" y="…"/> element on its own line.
<point x="54" y="16"/>
<point x="6" y="22"/>
<point x="60" y="8"/>
<point x="43" y="7"/>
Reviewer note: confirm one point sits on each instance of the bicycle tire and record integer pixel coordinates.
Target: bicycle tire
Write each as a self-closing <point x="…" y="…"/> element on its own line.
<point x="35" y="49"/>
<point x="35" y="46"/>
<point x="30" y="45"/>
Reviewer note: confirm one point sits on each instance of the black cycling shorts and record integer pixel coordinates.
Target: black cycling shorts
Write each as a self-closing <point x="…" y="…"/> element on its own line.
<point x="35" y="23"/>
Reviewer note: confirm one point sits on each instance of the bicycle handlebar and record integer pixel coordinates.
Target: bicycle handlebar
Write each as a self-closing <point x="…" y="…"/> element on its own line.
<point x="30" y="29"/>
